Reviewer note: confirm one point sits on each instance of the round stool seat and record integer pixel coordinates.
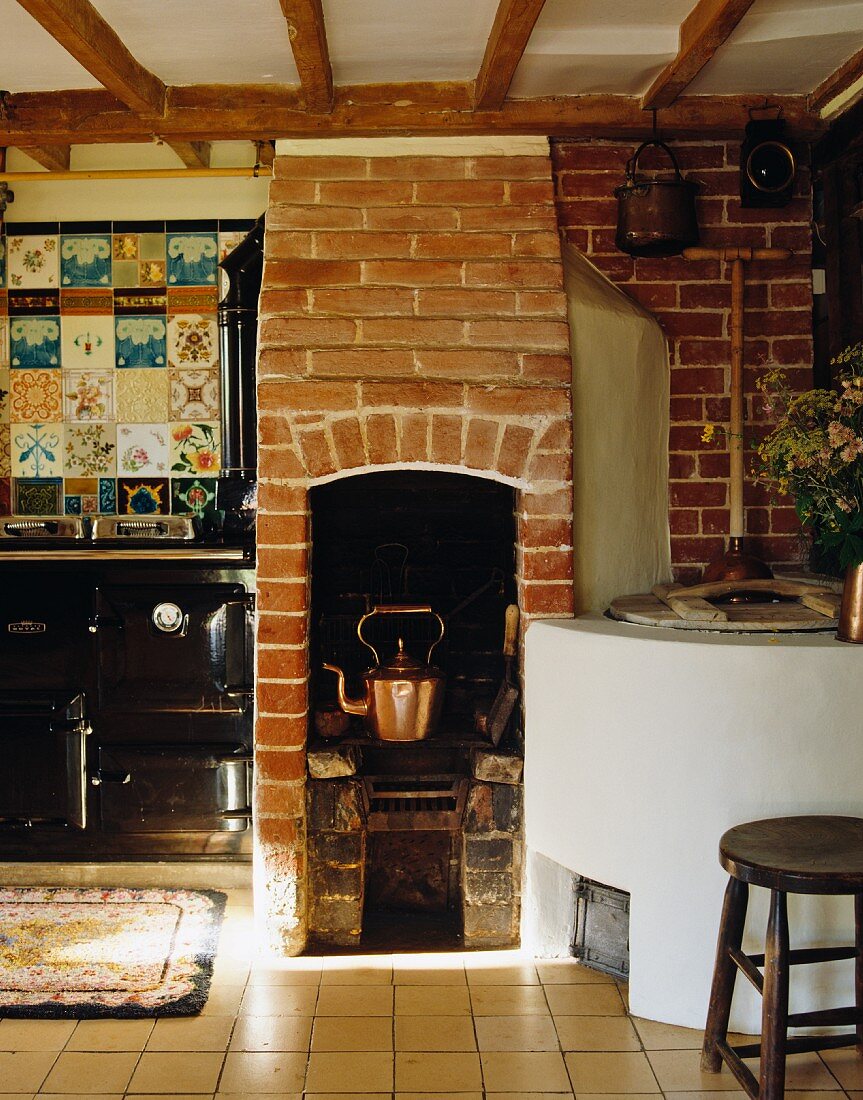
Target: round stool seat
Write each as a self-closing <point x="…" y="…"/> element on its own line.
<point x="800" y="855"/>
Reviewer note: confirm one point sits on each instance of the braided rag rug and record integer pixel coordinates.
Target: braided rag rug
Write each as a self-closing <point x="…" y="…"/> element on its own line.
<point x="84" y="953"/>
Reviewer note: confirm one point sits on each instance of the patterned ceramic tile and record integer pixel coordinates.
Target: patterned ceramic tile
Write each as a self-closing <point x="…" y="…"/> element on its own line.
<point x="85" y="260"/>
<point x="5" y="496"/>
<point x="143" y="496"/>
<point x="87" y="342"/>
<point x="34" y="261"/>
<point x="151" y="273"/>
<point x="107" y="495"/>
<point x="125" y="273"/>
<point x="195" y="495"/>
<point x="125" y="246"/>
<point x="140" y="301"/>
<point x="34" y="341"/>
<point x="195" y="449"/>
<point x="193" y="341"/>
<point x="142" y="396"/>
<point x="5" y="395"/>
<point x="72" y="505"/>
<point x="192" y="259"/>
<point x="5" y="450"/>
<point x="4" y="341"/>
<point x="194" y="394"/>
<point x="140" y="341"/>
<point x="36" y="395"/>
<point x="227" y="243"/>
<point x="37" y="496"/>
<point x="2" y="261"/>
<point x="95" y="301"/>
<point x="142" y="449"/>
<point x="192" y="299"/>
<point x="90" y="505"/>
<point x="151" y="246"/>
<point x="91" y="450"/>
<point x="88" y="395"/>
<point x="37" y="450"/>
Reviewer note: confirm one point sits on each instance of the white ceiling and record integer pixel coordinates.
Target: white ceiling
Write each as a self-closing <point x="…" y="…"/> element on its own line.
<point x="578" y="46"/>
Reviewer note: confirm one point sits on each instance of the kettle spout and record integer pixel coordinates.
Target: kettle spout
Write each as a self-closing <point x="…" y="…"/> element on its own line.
<point x="348" y="705"/>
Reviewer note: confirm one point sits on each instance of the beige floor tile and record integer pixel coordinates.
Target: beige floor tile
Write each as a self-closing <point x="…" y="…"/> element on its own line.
<point x="596" y="1033"/>
<point x="256" y="1071"/>
<point x="516" y="1033"/>
<point x="350" y="975"/>
<point x="224" y="1000"/>
<point x="806" y="1072"/>
<point x="281" y="1000"/>
<point x="353" y="1000"/>
<point x="35" y="1034"/>
<point x="345" y="1095"/>
<point x="430" y="1033"/>
<point x="730" y="1094"/>
<point x="166" y="1096"/>
<point x="65" y="1096"/>
<point x="584" y="1000"/>
<point x="413" y="975"/>
<point x="91" y="1073"/>
<point x="656" y="1036"/>
<point x="502" y="975"/>
<point x="623" y="990"/>
<point x="247" y="1096"/>
<point x="513" y="1071"/>
<point x="508" y="1000"/>
<point x="281" y="1033"/>
<point x="174" y="1072"/>
<point x="431" y="1096"/>
<point x="680" y="1071"/>
<point x="343" y="1033"/>
<point x="350" y="1072"/>
<point x="271" y="973"/>
<point x="845" y="1065"/>
<point x="569" y="972"/>
<point x="610" y="1072"/>
<point x="439" y="1000"/>
<point x="531" y="1096"/>
<point x="437" y="1073"/>
<point x="25" y="1071"/>
<point x="111" y="1035"/>
<point x="203" y="1033"/>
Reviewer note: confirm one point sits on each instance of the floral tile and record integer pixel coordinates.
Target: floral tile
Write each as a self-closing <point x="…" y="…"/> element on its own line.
<point x="36" y="395"/>
<point x="89" y="504"/>
<point x="195" y="449"/>
<point x="4" y="341"/>
<point x="85" y="260"/>
<point x="88" y="395"/>
<point x="34" y="261"/>
<point x="227" y="243"/>
<point x="37" y="496"/>
<point x="125" y="246"/>
<point x="37" y="450"/>
<point x="91" y="450"/>
<point x="34" y="341"/>
<point x="142" y="396"/>
<point x="192" y="259"/>
<point x="142" y="496"/>
<point x="194" y="495"/>
<point x="5" y="450"/>
<point x="5" y="396"/>
<point x="72" y="505"/>
<point x="142" y="449"/>
<point x="107" y="495"/>
<point x="193" y="341"/>
<point x="140" y="341"/>
<point x="151" y="246"/>
<point x="195" y="394"/>
<point x="87" y="342"/>
<point x="151" y="273"/>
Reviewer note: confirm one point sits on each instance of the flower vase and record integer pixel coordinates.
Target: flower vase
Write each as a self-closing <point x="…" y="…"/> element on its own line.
<point x="850" y="628"/>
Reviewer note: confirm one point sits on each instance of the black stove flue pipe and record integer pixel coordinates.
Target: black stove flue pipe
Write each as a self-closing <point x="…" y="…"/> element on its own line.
<point x="238" y="336"/>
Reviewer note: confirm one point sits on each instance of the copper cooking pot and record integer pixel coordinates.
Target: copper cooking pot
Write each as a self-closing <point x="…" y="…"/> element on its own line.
<point x="401" y="699"/>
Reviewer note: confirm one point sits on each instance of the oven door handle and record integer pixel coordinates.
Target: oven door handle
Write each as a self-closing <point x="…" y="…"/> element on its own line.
<point x="236" y="659"/>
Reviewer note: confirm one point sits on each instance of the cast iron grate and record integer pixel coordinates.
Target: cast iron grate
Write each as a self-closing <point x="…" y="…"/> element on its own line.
<point x="408" y="802"/>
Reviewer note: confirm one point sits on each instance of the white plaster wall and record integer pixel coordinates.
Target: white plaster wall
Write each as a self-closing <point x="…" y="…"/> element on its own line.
<point x="645" y="745"/>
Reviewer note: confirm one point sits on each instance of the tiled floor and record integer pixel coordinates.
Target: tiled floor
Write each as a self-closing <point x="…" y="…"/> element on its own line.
<point x="478" y="1026"/>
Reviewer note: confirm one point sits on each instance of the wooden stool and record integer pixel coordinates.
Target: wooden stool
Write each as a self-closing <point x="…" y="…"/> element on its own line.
<point x="788" y="855"/>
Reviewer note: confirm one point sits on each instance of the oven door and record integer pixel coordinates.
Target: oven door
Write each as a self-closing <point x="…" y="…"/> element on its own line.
<point x="181" y="649"/>
<point x="43" y="778"/>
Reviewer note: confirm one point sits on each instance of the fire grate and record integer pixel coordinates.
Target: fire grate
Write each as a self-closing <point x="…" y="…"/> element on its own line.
<point x="396" y="803"/>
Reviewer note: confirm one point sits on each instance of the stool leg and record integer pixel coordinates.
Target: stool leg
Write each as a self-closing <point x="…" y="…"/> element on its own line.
<point x="858" y="967"/>
<point x="774" y="1007"/>
<point x="724" y="973"/>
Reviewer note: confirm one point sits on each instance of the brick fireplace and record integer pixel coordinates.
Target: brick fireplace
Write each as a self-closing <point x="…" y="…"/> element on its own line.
<point x="412" y="318"/>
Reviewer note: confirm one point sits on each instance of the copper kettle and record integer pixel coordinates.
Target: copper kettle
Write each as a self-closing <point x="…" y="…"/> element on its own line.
<point x="402" y="699"/>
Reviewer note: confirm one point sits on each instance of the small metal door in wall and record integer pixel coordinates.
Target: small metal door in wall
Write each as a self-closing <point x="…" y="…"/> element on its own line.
<point x="174" y="649"/>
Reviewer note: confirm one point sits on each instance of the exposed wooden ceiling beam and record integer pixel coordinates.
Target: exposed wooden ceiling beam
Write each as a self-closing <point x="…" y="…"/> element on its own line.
<point x="264" y="112"/>
<point x="510" y="32"/>
<point x="53" y="157"/>
<point x="702" y="32"/>
<point x="194" y="154"/>
<point x="83" y="33"/>
<point x="836" y="85"/>
<point x="308" y="38"/>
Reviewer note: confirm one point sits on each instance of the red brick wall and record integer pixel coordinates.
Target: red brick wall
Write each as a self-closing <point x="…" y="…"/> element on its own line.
<point x="692" y="300"/>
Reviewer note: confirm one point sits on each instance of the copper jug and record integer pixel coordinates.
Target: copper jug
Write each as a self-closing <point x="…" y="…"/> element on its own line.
<point x="402" y="699"/>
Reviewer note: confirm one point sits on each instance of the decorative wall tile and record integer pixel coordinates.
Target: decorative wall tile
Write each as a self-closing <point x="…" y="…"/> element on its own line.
<point x="76" y="486"/>
<point x="94" y="301"/>
<point x="37" y="450"/>
<point x="151" y="273"/>
<point x="5" y="396"/>
<point x="107" y="495"/>
<point x="33" y="261"/>
<point x="195" y="449"/>
<point x="34" y="341"/>
<point x="72" y="505"/>
<point x="2" y="261"/>
<point x="5" y="450"/>
<point x="194" y="394"/>
<point x="87" y="342"/>
<point x="140" y="341"/>
<point x="193" y="341"/>
<point x="5" y="496"/>
<point x="143" y="496"/>
<point x="125" y="246"/>
<point x="91" y="450"/>
<point x="142" y="396"/>
<point x="37" y="496"/>
<point x="192" y="259"/>
<point x="151" y="246"/>
<point x="195" y="495"/>
<point x="227" y="243"/>
<point x="142" y="449"/>
<point x="88" y="395"/>
<point x="149" y="301"/>
<point x="125" y="273"/>
<point x="85" y="260"/>
<point x="36" y="395"/>
<point x="4" y="341"/>
<point x="192" y="299"/>
<point x="33" y="303"/>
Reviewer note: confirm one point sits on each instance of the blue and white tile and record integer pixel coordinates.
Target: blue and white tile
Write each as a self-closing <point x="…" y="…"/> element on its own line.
<point x="107" y="503"/>
<point x="87" y="341"/>
<point x="37" y="450"/>
<point x="140" y="341"/>
<point x="34" y="341"/>
<point x="33" y="261"/>
<point x="85" y="260"/>
<point x="143" y="450"/>
<point x="192" y="259"/>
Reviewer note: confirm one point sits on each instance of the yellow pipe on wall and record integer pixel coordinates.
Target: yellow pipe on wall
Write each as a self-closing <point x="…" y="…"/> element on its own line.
<point x="136" y="174"/>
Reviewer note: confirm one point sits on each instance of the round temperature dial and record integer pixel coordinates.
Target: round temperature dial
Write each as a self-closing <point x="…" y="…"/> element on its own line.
<point x="167" y="617"/>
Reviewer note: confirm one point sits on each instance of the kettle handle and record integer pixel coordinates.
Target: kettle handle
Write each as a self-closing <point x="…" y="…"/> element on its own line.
<point x="632" y="163"/>
<point x="400" y="609"/>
